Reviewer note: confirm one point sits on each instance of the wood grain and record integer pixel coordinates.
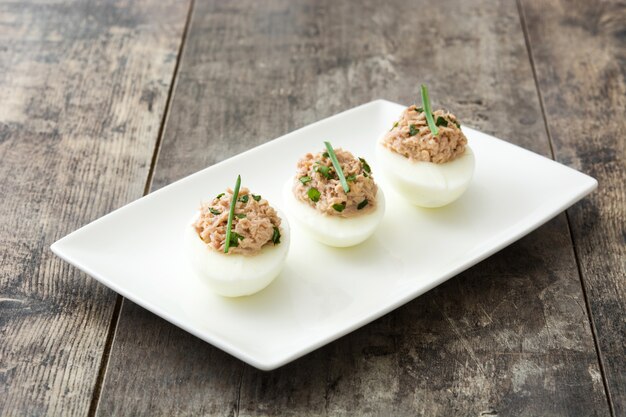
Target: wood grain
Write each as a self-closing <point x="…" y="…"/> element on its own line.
<point x="579" y="50"/>
<point x="82" y="92"/>
<point x="509" y="337"/>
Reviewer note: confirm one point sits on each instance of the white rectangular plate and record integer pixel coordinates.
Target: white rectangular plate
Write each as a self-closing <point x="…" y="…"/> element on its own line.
<point x="322" y="293"/>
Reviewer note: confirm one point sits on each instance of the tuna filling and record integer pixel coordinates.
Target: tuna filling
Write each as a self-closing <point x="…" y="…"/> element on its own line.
<point x="255" y="225"/>
<point x="317" y="184"/>
<point x="411" y="137"/>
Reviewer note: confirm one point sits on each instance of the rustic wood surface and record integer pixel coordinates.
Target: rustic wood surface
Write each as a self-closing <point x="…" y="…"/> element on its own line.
<point x="509" y="337"/>
<point x="587" y="124"/>
<point x="85" y="87"/>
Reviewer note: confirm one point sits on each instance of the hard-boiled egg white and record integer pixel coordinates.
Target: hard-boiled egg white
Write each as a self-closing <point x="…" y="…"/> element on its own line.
<point x="236" y="275"/>
<point x="426" y="184"/>
<point x="333" y="230"/>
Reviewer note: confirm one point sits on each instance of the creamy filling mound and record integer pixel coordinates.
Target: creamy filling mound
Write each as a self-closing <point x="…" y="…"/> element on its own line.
<point x="255" y="224"/>
<point x="317" y="184"/>
<point x="411" y="137"/>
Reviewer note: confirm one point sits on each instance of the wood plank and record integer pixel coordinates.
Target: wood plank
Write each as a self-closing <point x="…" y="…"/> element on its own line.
<point x="510" y="336"/>
<point x="582" y="46"/>
<point x="83" y="86"/>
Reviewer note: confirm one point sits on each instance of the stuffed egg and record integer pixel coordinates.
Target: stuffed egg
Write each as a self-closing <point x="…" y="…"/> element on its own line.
<point x="237" y="243"/>
<point x="334" y="198"/>
<point x="425" y="156"/>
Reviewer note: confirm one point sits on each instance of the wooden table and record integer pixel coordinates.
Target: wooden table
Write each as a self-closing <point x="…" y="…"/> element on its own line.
<point x="103" y="101"/>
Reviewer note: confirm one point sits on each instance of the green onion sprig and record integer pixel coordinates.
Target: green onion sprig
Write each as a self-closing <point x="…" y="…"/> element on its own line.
<point x="276" y="236"/>
<point x="428" y="111"/>
<point x="314" y="194"/>
<point x="231" y="213"/>
<point x="324" y="170"/>
<point x="333" y="158"/>
<point x="441" y="122"/>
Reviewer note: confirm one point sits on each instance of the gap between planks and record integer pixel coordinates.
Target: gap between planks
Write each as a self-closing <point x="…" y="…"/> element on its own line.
<point x="104" y="363"/>
<point x="168" y="102"/>
<point x="531" y="58"/>
<point x="95" y="398"/>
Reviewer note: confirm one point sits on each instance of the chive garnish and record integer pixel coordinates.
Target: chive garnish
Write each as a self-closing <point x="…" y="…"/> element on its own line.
<point x="220" y="196"/>
<point x="240" y="216"/>
<point x="366" y="166"/>
<point x="351" y="178"/>
<point x="441" y="122"/>
<point x="234" y="239"/>
<point x="339" y="207"/>
<point x="231" y="214"/>
<point x="256" y="197"/>
<point x="276" y="236"/>
<point x="305" y="179"/>
<point x="413" y="130"/>
<point x="244" y="198"/>
<point x="323" y="169"/>
<point x="214" y="211"/>
<point x="428" y="111"/>
<point x="362" y="204"/>
<point x="314" y="194"/>
<point x="333" y="157"/>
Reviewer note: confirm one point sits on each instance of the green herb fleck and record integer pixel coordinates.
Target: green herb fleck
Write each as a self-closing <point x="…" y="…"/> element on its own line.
<point x="314" y="194"/>
<point x="428" y="111"/>
<point x="441" y="122"/>
<point x="457" y="124"/>
<point x="256" y="197"/>
<point x="234" y="239"/>
<point x="413" y="130"/>
<point x="276" y="236"/>
<point x="324" y="170"/>
<point x="220" y="196"/>
<point x="231" y="214"/>
<point x="214" y="211"/>
<point x="240" y="216"/>
<point x="419" y="109"/>
<point x="362" y="204"/>
<point x="325" y="155"/>
<point x="333" y="158"/>
<point x="351" y="178"/>
<point x="244" y="198"/>
<point x="339" y="207"/>
<point x="305" y="179"/>
<point x="365" y="165"/>
<point x="394" y="126"/>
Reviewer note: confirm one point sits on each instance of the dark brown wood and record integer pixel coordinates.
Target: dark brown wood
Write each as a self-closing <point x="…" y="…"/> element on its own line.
<point x="579" y="51"/>
<point x="82" y="92"/>
<point x="509" y="337"/>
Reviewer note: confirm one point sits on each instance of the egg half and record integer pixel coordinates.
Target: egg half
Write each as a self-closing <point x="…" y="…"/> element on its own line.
<point x="426" y="184"/>
<point x="333" y="230"/>
<point x="236" y="275"/>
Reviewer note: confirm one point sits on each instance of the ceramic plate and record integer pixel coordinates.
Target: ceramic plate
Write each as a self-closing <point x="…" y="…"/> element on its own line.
<point x="322" y="293"/>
